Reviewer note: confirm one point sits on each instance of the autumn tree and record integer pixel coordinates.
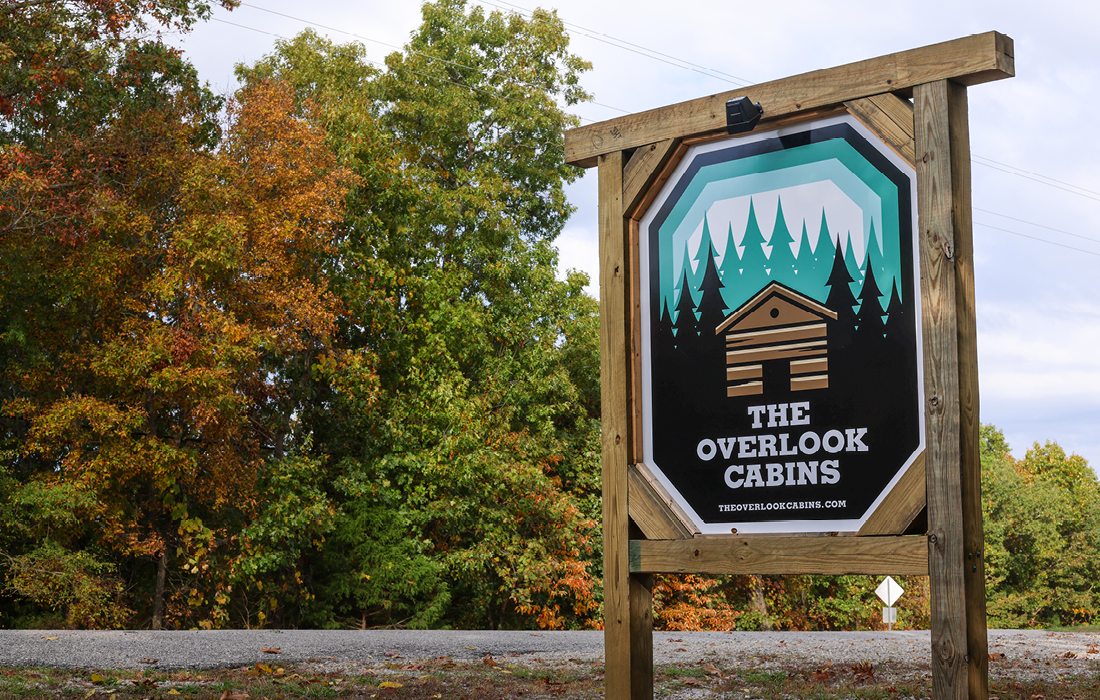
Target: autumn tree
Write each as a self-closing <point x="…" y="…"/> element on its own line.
<point x="183" y="290"/>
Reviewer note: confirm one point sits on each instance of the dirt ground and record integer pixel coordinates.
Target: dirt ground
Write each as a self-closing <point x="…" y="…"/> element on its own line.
<point x="1023" y="666"/>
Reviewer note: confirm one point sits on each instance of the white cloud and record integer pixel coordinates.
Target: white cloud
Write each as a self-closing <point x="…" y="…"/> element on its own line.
<point x="1038" y="365"/>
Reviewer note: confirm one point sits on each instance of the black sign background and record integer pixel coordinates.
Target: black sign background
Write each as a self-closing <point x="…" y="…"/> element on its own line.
<point x="873" y="378"/>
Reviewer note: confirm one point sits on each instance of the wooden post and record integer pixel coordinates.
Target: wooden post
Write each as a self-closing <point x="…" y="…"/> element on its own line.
<point x="977" y="645"/>
<point x="959" y="655"/>
<point x="628" y="622"/>
<point x="933" y="133"/>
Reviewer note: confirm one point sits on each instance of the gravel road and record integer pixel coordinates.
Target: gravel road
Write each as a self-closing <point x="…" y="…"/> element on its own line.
<point x="1028" y="653"/>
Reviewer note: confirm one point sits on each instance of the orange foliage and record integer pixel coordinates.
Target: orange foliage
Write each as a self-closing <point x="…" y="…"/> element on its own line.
<point x="691" y="603"/>
<point x="184" y="281"/>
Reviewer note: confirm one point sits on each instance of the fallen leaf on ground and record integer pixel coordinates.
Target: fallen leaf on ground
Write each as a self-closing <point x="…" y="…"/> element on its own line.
<point x="1069" y="655"/>
<point x="97" y="678"/>
<point x="488" y="660"/>
<point x="864" y="671"/>
<point x="1093" y="649"/>
<point x="149" y="660"/>
<point x="712" y="670"/>
<point x="996" y="656"/>
<point x="234" y="695"/>
<point x="51" y="638"/>
<point x="390" y="684"/>
<point x="272" y="650"/>
<point x="173" y="691"/>
<point x="825" y="673"/>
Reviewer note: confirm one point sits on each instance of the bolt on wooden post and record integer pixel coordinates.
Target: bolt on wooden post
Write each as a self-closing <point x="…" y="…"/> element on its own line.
<point x="787" y="342"/>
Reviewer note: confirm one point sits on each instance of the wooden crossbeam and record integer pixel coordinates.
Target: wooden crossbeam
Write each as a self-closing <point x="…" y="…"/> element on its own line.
<point x="782" y="555"/>
<point x="969" y="61"/>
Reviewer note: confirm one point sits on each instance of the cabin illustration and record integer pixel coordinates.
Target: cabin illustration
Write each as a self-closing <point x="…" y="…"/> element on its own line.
<point x="776" y="341"/>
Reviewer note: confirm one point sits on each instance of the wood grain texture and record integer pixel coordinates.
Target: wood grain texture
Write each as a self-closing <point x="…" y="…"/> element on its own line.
<point x="614" y="425"/>
<point x="654" y="514"/>
<point x="642" y="170"/>
<point x="782" y="555"/>
<point x="901" y="506"/>
<point x="641" y="638"/>
<point x="628" y="622"/>
<point x="977" y="645"/>
<point x="891" y="118"/>
<point x="935" y="190"/>
<point x="969" y="60"/>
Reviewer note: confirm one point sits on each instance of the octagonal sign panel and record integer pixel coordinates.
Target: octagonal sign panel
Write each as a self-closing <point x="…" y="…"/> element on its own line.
<point x="780" y="323"/>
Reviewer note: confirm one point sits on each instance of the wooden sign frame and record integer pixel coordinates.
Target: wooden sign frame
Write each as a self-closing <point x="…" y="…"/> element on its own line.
<point x="916" y="101"/>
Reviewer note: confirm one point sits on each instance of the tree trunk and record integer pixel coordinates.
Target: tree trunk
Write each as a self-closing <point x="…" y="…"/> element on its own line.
<point x="759" y="604"/>
<point x="158" y="594"/>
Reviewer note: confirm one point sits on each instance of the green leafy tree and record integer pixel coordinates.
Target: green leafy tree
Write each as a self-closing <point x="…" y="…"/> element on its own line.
<point x="1042" y="532"/>
<point x="469" y="424"/>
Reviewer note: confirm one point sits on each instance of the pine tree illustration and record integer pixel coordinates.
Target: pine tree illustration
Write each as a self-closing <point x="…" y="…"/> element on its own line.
<point x="730" y="270"/>
<point x="824" y="252"/>
<point x="781" y="261"/>
<point x="840" y="297"/>
<point x="664" y="334"/>
<point x="895" y="315"/>
<point x="853" y="264"/>
<point x="711" y="304"/>
<point x="874" y="252"/>
<point x="869" y="318"/>
<point x="754" y="263"/>
<point x="804" y="261"/>
<point x="705" y="244"/>
<point x="687" y="329"/>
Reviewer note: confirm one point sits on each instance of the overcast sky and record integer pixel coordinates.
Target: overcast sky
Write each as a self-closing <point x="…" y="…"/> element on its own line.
<point x="1036" y="181"/>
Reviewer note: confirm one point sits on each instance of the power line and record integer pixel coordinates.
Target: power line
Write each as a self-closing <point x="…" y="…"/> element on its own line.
<point x="472" y="89"/>
<point x="1038" y="225"/>
<point x="429" y="57"/>
<point x="1037" y="238"/>
<point x="628" y="45"/>
<point x="979" y="209"/>
<point x="1046" y="177"/>
<point x="1007" y="168"/>
<point x="1039" y="178"/>
<point x="711" y="72"/>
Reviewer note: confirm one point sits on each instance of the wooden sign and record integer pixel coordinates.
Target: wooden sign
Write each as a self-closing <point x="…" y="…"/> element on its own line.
<point x="781" y="375"/>
<point x="752" y="402"/>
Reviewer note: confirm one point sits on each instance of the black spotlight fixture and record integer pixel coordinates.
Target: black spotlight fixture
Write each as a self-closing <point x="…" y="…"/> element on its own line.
<point x="742" y="114"/>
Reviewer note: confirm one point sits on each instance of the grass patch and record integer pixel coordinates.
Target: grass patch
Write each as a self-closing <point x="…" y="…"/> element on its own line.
<point x="763" y="677"/>
<point x="480" y="681"/>
<point x="681" y="672"/>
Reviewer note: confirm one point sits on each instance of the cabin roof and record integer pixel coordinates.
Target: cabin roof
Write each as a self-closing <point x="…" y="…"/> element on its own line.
<point x="774" y="289"/>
